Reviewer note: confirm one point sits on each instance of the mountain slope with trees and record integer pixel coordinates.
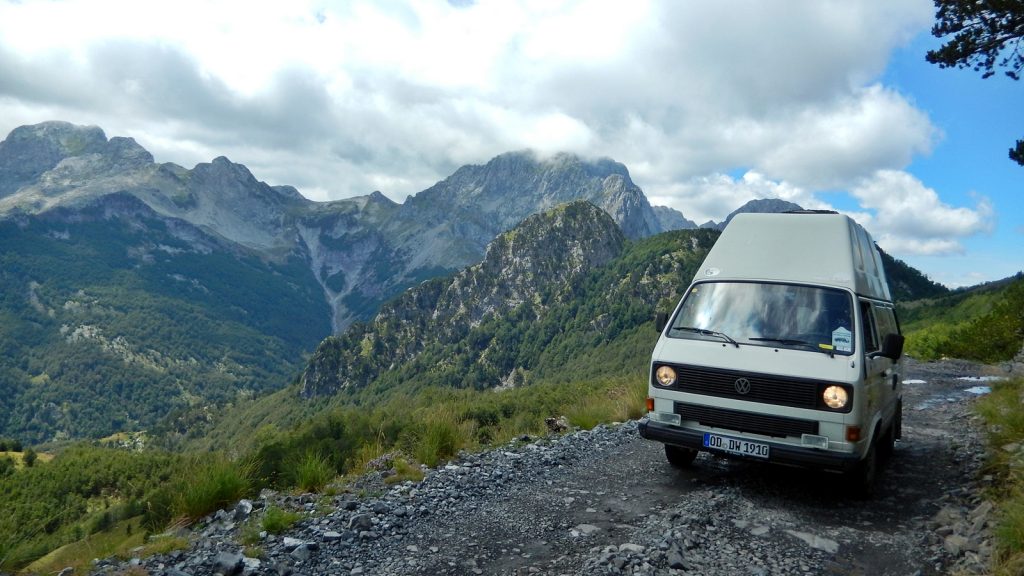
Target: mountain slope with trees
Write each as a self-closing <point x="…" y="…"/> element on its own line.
<point x="131" y="289"/>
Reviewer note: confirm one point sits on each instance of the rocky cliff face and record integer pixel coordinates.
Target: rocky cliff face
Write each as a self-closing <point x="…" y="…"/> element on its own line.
<point x="516" y="184"/>
<point x="524" y="271"/>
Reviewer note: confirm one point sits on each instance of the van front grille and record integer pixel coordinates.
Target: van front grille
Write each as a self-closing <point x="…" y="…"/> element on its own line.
<point x="793" y="392"/>
<point x="779" y="426"/>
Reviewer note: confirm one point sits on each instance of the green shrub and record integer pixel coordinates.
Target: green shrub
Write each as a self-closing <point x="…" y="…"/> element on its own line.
<point x="404" y="471"/>
<point x="312" y="472"/>
<point x="277" y="520"/>
<point x="158" y="509"/>
<point x="213" y="483"/>
<point x="440" y="438"/>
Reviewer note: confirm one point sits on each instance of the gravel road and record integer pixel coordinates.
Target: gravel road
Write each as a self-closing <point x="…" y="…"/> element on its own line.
<point x="606" y="502"/>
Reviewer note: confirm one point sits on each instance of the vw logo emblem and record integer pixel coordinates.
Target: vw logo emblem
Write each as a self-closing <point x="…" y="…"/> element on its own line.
<point x="742" y="386"/>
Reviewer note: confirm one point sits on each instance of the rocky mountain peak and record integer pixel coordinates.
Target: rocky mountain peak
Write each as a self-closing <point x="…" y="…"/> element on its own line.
<point x="514" y="185"/>
<point x="29" y="151"/>
<point x="547" y="248"/>
<point x="128" y="152"/>
<point x="757" y="206"/>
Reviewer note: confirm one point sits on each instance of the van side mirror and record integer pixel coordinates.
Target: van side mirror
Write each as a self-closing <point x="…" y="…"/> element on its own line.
<point x="892" y="347"/>
<point x="660" y="320"/>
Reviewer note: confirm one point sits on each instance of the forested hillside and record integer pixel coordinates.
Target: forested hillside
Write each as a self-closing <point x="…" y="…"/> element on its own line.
<point x="907" y="283"/>
<point x="595" y="327"/>
<point x="95" y="308"/>
<point x="983" y="323"/>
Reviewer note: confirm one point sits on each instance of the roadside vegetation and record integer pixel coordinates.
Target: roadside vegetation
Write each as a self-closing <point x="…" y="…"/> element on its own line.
<point x="92" y="501"/>
<point x="983" y="324"/>
<point x="1003" y="414"/>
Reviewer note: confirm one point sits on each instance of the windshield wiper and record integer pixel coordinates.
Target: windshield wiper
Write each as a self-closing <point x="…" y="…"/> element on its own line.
<point x="704" y="332"/>
<point x="779" y="340"/>
<point x="794" y="342"/>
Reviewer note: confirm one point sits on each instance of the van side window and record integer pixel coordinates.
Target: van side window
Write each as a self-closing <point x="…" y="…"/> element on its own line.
<point x="870" y="332"/>
<point x="886" y="322"/>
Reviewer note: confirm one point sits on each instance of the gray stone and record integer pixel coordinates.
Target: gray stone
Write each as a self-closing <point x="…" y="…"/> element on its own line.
<point x="242" y="510"/>
<point x="815" y="541"/>
<point x="632" y="548"/>
<point x="955" y="544"/>
<point x="360" y="523"/>
<point x="301" y="553"/>
<point x="228" y="563"/>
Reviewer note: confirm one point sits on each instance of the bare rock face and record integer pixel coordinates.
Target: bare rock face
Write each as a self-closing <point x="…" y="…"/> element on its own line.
<point x="669" y="219"/>
<point x="524" y="270"/>
<point x="759" y="206"/>
<point x="29" y="151"/>
<point x="514" y="185"/>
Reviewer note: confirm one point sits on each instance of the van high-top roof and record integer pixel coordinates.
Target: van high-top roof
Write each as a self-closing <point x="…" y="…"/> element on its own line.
<point x="826" y="249"/>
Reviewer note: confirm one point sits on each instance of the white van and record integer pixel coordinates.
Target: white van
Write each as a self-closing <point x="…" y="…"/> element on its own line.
<point x="784" y="349"/>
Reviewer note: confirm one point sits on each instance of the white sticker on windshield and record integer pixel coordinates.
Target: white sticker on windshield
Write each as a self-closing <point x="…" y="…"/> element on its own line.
<point x="842" y="340"/>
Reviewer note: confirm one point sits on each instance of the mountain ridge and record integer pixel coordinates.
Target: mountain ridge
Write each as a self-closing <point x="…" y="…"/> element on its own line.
<point x="440" y="229"/>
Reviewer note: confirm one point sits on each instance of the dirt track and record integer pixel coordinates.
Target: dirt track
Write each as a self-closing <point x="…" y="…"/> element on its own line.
<point x="606" y="502"/>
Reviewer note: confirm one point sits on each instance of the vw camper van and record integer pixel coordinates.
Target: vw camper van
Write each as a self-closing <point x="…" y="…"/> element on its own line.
<point x="784" y="349"/>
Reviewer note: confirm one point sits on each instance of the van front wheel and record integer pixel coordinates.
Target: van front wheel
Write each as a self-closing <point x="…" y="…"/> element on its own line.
<point x="679" y="457"/>
<point x="863" y="478"/>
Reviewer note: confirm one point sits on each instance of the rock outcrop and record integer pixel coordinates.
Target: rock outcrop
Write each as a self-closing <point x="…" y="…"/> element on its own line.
<point x="523" y="271"/>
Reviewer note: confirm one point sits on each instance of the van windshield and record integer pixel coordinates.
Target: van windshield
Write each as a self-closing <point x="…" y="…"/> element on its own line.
<point x="768" y="314"/>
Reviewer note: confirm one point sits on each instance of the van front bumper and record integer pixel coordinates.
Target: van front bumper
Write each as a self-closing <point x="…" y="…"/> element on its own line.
<point x="780" y="453"/>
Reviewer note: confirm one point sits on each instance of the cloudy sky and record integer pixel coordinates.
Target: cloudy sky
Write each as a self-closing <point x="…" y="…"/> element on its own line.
<point x="709" y="104"/>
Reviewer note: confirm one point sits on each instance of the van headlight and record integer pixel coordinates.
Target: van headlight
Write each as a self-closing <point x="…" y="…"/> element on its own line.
<point x="665" y="375"/>
<point x="835" y="397"/>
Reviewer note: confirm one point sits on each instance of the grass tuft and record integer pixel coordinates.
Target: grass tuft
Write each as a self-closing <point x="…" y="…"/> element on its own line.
<point x="313" y="471"/>
<point x="404" y="471"/>
<point x="213" y="483"/>
<point x="440" y="439"/>
<point x="277" y="520"/>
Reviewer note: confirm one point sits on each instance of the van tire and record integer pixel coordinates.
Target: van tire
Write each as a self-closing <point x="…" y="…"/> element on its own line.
<point x="863" y="477"/>
<point x="898" y="426"/>
<point x="887" y="443"/>
<point x="895" y="430"/>
<point x="679" y="457"/>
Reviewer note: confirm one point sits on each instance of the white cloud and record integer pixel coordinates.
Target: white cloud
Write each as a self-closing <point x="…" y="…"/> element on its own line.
<point x="909" y="217"/>
<point x="832" y="145"/>
<point x="418" y="87"/>
<point x="340" y="99"/>
<point x="714" y="197"/>
<point x="903" y="215"/>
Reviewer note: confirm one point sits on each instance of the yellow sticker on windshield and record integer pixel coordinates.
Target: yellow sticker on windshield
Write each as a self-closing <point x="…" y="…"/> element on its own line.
<point x="825" y="346"/>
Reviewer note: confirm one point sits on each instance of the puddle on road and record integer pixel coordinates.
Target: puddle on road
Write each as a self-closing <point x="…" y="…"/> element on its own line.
<point x="958" y="394"/>
<point x="982" y="378"/>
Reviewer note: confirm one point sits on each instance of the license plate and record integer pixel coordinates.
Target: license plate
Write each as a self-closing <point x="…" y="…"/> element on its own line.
<point x="735" y="446"/>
